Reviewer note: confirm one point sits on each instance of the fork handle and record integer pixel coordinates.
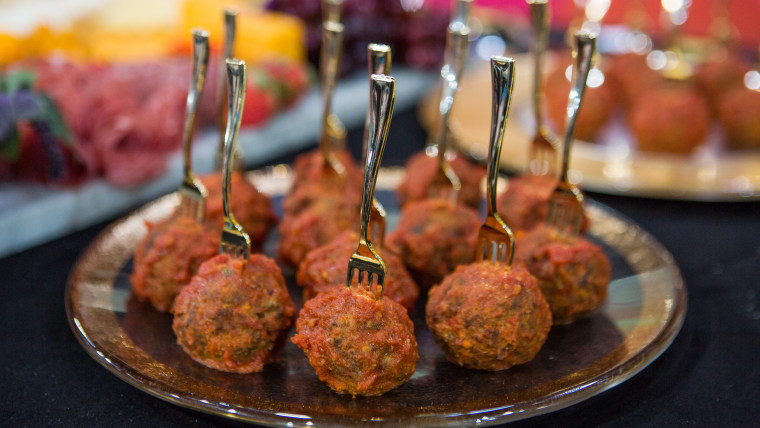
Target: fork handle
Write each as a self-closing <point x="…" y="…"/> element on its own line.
<point x="502" y="84"/>
<point x="382" y="96"/>
<point x="539" y="23"/>
<point x="461" y="12"/>
<point x="200" y="64"/>
<point x="332" y="41"/>
<point x="585" y="46"/>
<point x="235" y="102"/>
<point x="457" y="38"/>
<point x="378" y="62"/>
<point x="332" y="10"/>
<point x="230" y="17"/>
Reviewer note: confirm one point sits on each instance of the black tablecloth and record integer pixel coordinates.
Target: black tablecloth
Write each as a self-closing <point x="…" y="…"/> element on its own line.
<point x="709" y="376"/>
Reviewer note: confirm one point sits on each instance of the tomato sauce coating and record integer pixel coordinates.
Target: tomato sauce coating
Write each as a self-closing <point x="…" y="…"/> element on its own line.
<point x="250" y="207"/>
<point x="525" y="203"/>
<point x="573" y="273"/>
<point x="326" y="268"/>
<point x="421" y="169"/>
<point x="433" y="237"/>
<point x="168" y="257"/>
<point x="357" y="344"/>
<point x="235" y="314"/>
<point x="488" y="316"/>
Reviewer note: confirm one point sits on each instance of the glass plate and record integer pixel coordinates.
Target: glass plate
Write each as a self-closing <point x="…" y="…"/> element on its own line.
<point x="613" y="167"/>
<point x="643" y="314"/>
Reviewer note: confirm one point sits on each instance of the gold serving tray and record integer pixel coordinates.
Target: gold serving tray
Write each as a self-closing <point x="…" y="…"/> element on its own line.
<point x="641" y="317"/>
<point x="608" y="166"/>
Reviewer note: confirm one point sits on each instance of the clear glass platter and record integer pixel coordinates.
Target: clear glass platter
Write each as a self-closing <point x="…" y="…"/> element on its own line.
<point x="641" y="317"/>
<point x="609" y="166"/>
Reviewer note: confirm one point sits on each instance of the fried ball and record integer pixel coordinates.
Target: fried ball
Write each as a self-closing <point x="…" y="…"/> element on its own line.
<point x="488" y="316"/>
<point x="357" y="344"/>
<point x="326" y="267"/>
<point x="738" y="112"/>
<point x="317" y="224"/>
<point x="235" y="314"/>
<point x="421" y="169"/>
<point x="525" y="203"/>
<point x="630" y="77"/>
<point x="310" y="179"/>
<point x="250" y="207"/>
<point x="168" y="257"/>
<point x="720" y="75"/>
<point x="598" y="105"/>
<point x="573" y="273"/>
<point x="433" y="237"/>
<point x="674" y="119"/>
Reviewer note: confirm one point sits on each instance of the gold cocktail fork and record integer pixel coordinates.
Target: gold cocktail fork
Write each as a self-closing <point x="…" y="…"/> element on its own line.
<point x="379" y="62"/>
<point x="495" y="239"/>
<point x="542" y="156"/>
<point x="235" y="240"/>
<point x="332" y="41"/>
<point x="366" y="259"/>
<point x="191" y="191"/>
<point x="566" y="202"/>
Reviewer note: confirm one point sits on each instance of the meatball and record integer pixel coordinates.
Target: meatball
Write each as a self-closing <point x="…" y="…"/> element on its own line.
<point x="421" y="169"/>
<point x="573" y="273"/>
<point x="168" y="257"/>
<point x="317" y="224"/>
<point x="251" y="208"/>
<point x="433" y="237"/>
<point x="488" y="316"/>
<point x="598" y="105"/>
<point x="720" y="75"/>
<point x="326" y="267"/>
<point x="738" y="112"/>
<point x="631" y="77"/>
<point x="674" y="119"/>
<point x="309" y="170"/>
<point x="357" y="344"/>
<point x="525" y="203"/>
<point x="235" y="314"/>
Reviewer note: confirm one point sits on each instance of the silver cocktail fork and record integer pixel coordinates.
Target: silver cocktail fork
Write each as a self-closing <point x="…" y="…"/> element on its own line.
<point x="366" y="260"/>
<point x="191" y="191"/>
<point x="495" y="239"/>
<point x="542" y="156"/>
<point x="379" y="62"/>
<point x="566" y="202"/>
<point x="235" y="241"/>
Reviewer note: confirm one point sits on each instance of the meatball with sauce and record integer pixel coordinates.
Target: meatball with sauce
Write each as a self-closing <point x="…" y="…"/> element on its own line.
<point x="357" y="344"/>
<point x="738" y="113"/>
<point x="631" y="77"/>
<point x="317" y="224"/>
<point x="525" y="203"/>
<point x="309" y="167"/>
<point x="488" y="316"/>
<point x="168" y="257"/>
<point x="252" y="208"/>
<point x="433" y="237"/>
<point x="598" y="105"/>
<point x="420" y="172"/>
<point x="678" y="123"/>
<point x="720" y="75"/>
<point x="326" y="268"/>
<point x="572" y="272"/>
<point x="235" y="314"/>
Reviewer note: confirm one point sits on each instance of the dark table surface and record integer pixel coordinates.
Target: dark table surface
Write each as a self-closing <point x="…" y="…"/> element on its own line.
<point x="709" y="376"/>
